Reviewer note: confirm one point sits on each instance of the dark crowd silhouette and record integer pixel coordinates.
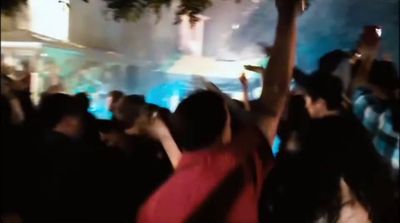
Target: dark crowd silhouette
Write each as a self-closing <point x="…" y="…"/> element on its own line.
<point x="210" y="161"/>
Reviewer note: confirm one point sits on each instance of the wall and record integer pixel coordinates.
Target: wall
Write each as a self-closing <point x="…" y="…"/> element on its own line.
<point x="141" y="41"/>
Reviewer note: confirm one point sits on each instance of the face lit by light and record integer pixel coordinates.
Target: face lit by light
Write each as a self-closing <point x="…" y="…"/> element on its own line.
<point x="315" y="108"/>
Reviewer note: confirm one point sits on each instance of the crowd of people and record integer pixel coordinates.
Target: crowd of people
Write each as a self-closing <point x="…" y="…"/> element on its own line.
<point x="210" y="161"/>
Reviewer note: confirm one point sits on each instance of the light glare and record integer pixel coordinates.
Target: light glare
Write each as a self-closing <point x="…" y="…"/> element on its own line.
<point x="378" y="31"/>
<point x="13" y="44"/>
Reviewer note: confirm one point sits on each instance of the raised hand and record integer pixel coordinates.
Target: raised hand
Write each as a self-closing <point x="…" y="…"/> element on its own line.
<point x="245" y="85"/>
<point x="157" y="129"/>
<point x="368" y="50"/>
<point x="244" y="81"/>
<point x="369" y="42"/>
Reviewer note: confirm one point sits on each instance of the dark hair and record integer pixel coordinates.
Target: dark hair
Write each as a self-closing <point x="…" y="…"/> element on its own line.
<point x="331" y="60"/>
<point x="384" y="75"/>
<point x="130" y="108"/>
<point x="307" y="184"/>
<point x="116" y="95"/>
<point x="200" y="120"/>
<point x="327" y="87"/>
<point x="83" y="100"/>
<point x="54" y="107"/>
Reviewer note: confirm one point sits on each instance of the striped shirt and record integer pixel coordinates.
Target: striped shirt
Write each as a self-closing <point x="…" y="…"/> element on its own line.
<point x="377" y="117"/>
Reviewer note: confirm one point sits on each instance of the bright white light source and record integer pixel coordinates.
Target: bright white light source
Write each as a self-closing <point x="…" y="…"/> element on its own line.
<point x="9" y="61"/>
<point x="378" y="31"/>
<point x="174" y="101"/>
<point x="358" y="55"/>
<point x="257" y="92"/>
<point x="20" y="44"/>
<point x="235" y="26"/>
<point x="237" y="95"/>
<point x="255" y="1"/>
<point x="50" y="18"/>
<point x="44" y="55"/>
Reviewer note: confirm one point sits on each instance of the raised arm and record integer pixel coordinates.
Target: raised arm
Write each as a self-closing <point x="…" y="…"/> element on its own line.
<point x="245" y="89"/>
<point x="156" y="128"/>
<point x="277" y="75"/>
<point x="362" y="74"/>
<point x="368" y="47"/>
<point x="168" y="142"/>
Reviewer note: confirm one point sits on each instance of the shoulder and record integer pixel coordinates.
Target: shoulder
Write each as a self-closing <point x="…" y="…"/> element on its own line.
<point x="189" y="186"/>
<point x="365" y="103"/>
<point x="363" y="96"/>
<point x="250" y="143"/>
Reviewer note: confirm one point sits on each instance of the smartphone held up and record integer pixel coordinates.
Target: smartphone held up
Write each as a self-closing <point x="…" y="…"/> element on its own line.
<point x="370" y="38"/>
<point x="371" y="34"/>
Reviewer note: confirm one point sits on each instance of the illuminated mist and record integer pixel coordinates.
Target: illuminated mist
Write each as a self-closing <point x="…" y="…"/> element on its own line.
<point x="327" y="25"/>
<point x="231" y="33"/>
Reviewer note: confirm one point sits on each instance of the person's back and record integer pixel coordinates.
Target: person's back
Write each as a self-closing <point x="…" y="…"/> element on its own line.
<point x="62" y="192"/>
<point x="64" y="176"/>
<point x="147" y="168"/>
<point x="214" y="181"/>
<point x="16" y="158"/>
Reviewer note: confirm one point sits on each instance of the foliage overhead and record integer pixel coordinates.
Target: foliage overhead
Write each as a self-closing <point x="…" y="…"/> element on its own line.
<point x="132" y="10"/>
<point x="10" y="7"/>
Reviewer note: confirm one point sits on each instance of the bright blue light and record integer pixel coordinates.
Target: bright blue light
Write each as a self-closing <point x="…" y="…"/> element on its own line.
<point x="167" y="95"/>
<point x="276" y="145"/>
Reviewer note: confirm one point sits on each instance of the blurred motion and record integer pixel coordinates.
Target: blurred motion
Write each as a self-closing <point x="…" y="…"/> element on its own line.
<point x="199" y="111"/>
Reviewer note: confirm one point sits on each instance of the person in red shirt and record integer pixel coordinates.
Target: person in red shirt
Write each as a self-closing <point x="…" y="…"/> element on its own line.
<point x="218" y="176"/>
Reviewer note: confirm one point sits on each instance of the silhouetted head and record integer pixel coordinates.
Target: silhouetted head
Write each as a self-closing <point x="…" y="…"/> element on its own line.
<point x="323" y="94"/>
<point x="331" y="60"/>
<point x="384" y="76"/>
<point x="113" y="98"/>
<point x="62" y="113"/>
<point x="202" y="120"/>
<point x="83" y="101"/>
<point x="128" y="109"/>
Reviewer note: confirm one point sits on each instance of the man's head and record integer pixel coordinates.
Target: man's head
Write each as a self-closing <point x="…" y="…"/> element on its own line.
<point x="113" y="98"/>
<point x="202" y="120"/>
<point x="83" y="101"/>
<point x="61" y="113"/>
<point x="383" y="76"/>
<point x="128" y="109"/>
<point x="331" y="60"/>
<point x="323" y="94"/>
